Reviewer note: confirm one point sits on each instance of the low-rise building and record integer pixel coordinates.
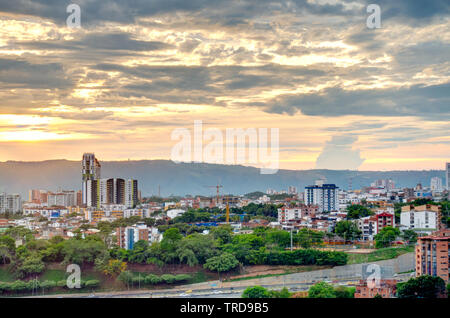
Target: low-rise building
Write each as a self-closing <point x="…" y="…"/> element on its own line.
<point x="128" y="236"/>
<point x="386" y="288"/>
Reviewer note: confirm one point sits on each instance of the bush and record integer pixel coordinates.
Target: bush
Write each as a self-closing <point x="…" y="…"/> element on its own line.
<point x="321" y="290"/>
<point x="182" y="277"/>
<point x="92" y="283"/>
<point x="152" y="279"/>
<point x="18" y="286"/>
<point x="256" y="292"/>
<point x="168" y="278"/>
<point x="61" y="283"/>
<point x="48" y="284"/>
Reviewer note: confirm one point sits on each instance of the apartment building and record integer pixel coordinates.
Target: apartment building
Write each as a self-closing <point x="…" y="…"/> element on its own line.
<point x="11" y="203"/>
<point x="433" y="255"/>
<point x="128" y="236"/>
<point x="63" y="198"/>
<point x="424" y="218"/>
<point x="368" y="226"/>
<point x="323" y="195"/>
<point x="384" y="219"/>
<point x="111" y="191"/>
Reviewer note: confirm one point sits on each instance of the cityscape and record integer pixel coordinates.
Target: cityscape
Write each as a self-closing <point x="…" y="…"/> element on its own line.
<point x="404" y="229"/>
<point x="222" y="157"/>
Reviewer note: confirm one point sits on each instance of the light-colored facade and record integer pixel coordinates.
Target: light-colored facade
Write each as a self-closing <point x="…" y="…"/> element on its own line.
<point x="64" y="198"/>
<point x="11" y="203"/>
<point x="422" y="218"/>
<point x="323" y="195"/>
<point x="436" y="184"/>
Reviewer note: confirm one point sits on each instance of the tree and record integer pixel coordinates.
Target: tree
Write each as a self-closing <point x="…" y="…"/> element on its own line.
<point x="223" y="234"/>
<point x="5" y="255"/>
<point x="222" y="263"/>
<point x="386" y="236"/>
<point x="139" y="252"/>
<point x="82" y="251"/>
<point x="425" y="286"/>
<point x="9" y="242"/>
<point x="321" y="290"/>
<point x="126" y="277"/>
<point x="409" y="236"/>
<point x="279" y="238"/>
<point x="284" y="293"/>
<point x="114" y="267"/>
<point x="30" y="265"/>
<point x="347" y="230"/>
<point x="169" y="243"/>
<point x="344" y="292"/>
<point x="256" y="292"/>
<point x="357" y="211"/>
<point x="196" y="249"/>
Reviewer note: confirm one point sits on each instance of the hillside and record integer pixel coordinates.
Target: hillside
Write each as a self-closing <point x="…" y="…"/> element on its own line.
<point x="189" y="178"/>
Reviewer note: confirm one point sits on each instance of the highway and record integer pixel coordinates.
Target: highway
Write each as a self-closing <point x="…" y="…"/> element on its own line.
<point x="347" y="275"/>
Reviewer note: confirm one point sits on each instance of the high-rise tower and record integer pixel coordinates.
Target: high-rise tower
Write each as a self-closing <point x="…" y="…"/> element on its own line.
<point x="90" y="171"/>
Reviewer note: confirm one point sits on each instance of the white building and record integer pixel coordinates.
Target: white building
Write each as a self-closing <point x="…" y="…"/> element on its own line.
<point x="436" y="184"/>
<point x="174" y="213"/>
<point x="288" y="214"/>
<point x="46" y="212"/>
<point x="64" y="198"/>
<point x="10" y="203"/>
<point x="421" y="219"/>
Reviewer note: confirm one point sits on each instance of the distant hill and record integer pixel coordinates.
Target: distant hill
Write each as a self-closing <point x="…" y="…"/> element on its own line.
<point x="190" y="178"/>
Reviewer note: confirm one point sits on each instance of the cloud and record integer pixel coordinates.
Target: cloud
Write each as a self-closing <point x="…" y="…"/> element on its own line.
<point x="18" y="73"/>
<point x="338" y="154"/>
<point x="418" y="100"/>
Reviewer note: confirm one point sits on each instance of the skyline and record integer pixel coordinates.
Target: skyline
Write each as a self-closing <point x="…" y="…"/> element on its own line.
<point x="343" y="96"/>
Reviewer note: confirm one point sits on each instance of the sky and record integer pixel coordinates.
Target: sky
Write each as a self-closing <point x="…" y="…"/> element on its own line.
<point x="342" y="95"/>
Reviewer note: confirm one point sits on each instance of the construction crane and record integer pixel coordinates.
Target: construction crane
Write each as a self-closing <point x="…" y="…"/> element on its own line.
<point x="218" y="189"/>
<point x="228" y="214"/>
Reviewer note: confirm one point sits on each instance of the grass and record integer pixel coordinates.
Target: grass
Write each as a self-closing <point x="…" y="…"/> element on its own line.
<point x="5" y="275"/>
<point x="256" y="276"/>
<point x="287" y="271"/>
<point x="379" y="255"/>
<point x="59" y="274"/>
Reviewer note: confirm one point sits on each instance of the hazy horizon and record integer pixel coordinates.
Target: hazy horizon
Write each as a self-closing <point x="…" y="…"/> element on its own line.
<point x="343" y="95"/>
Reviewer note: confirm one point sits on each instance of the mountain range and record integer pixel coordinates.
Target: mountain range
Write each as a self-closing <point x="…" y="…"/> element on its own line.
<point x="191" y="178"/>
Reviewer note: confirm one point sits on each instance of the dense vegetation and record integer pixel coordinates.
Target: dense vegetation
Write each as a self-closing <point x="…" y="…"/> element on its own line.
<point x="325" y="290"/>
<point x="422" y="287"/>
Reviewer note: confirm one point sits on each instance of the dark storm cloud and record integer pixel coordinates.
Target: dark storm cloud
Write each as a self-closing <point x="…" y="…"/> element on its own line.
<point x="431" y="102"/>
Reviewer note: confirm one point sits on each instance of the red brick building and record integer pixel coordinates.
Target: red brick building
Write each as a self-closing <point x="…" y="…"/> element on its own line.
<point x="387" y="288"/>
<point x="432" y="255"/>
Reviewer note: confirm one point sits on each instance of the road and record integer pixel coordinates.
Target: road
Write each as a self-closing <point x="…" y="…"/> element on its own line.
<point x="346" y="275"/>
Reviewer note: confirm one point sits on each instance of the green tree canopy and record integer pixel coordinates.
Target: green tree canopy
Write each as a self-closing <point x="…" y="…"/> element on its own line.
<point x="256" y="292"/>
<point x="321" y="290"/>
<point x="425" y="286"/>
<point x="348" y="230"/>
